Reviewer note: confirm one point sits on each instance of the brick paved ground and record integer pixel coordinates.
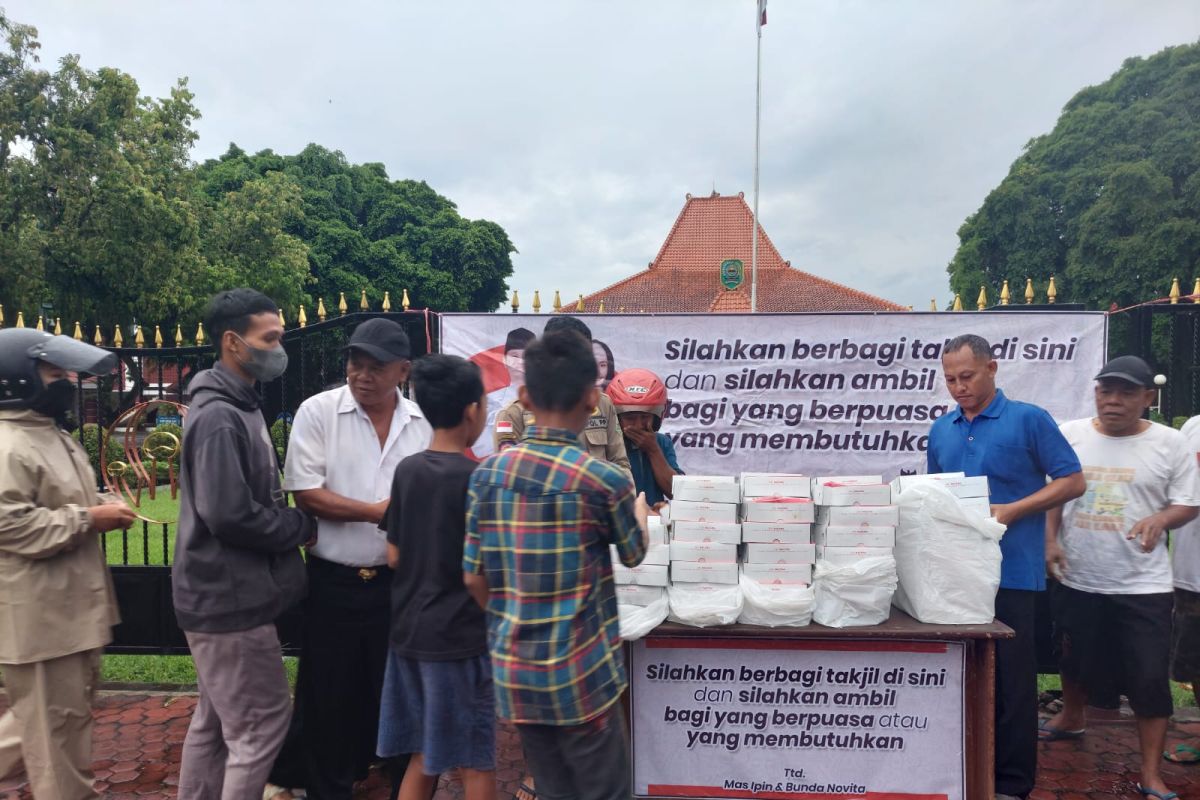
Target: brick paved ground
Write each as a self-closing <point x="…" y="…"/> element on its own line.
<point x="138" y="739"/>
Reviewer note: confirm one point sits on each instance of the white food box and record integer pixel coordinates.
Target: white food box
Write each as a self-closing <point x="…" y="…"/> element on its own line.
<point x="858" y="515"/>
<point x="843" y="556"/>
<point x="656" y="530"/>
<point x="779" y="574"/>
<point x="778" y="509"/>
<point x="657" y="554"/>
<point x="777" y="532"/>
<point x="982" y="506"/>
<point x="705" y="488"/>
<point x="696" y="511"/>
<point x="632" y="595"/>
<point x="855" y="536"/>
<point x="775" y="484"/>
<point x="641" y="575"/>
<point x="959" y="484"/>
<point x="706" y="552"/>
<point x="722" y="532"/>
<point x="847" y="480"/>
<point x="871" y="494"/>
<point x="762" y="553"/>
<point x="693" y="572"/>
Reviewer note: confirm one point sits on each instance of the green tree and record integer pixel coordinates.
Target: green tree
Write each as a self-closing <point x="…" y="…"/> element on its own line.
<point x="1108" y="202"/>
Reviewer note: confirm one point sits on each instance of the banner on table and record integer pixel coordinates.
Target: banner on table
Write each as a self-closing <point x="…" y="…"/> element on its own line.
<point x="783" y="719"/>
<point x="810" y="393"/>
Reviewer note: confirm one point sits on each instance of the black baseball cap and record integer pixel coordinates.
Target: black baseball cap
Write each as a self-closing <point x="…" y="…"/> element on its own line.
<point x="1128" y="368"/>
<point x="381" y="339"/>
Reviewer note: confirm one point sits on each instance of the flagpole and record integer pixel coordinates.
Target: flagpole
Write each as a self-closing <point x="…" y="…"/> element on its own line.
<point x="757" y="125"/>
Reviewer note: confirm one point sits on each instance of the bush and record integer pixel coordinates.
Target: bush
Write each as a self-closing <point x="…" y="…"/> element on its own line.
<point x="281" y="429"/>
<point x="91" y="433"/>
<point x="1177" y="422"/>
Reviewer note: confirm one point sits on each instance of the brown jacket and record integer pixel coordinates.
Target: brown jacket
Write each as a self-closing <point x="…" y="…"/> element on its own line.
<point x="602" y="438"/>
<point x="56" y="594"/>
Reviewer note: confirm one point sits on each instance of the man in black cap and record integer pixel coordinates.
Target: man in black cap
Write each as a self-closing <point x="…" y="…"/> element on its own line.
<point x="1109" y="551"/>
<point x="344" y="448"/>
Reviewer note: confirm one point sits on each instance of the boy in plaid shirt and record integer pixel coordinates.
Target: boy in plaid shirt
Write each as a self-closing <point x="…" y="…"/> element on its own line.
<point x="540" y="519"/>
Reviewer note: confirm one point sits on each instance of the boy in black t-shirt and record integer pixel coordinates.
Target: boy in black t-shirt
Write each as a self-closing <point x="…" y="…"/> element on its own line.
<point x="437" y="694"/>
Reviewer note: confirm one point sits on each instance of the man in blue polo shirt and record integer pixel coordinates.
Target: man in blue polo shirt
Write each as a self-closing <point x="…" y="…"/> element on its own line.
<point x="1030" y="468"/>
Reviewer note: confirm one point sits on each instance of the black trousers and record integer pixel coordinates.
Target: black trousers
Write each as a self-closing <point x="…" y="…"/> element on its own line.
<point x="1016" y="694"/>
<point x="331" y="742"/>
<point x="582" y="762"/>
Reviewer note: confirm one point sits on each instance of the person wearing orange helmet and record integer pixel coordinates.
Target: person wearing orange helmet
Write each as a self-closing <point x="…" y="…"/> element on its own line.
<point x="641" y="399"/>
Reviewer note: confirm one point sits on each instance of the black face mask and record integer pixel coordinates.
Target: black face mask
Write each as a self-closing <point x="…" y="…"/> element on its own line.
<point x="57" y="398"/>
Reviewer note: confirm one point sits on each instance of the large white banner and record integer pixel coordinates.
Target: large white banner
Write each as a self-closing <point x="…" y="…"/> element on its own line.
<point x="810" y="393"/>
<point x="788" y="719"/>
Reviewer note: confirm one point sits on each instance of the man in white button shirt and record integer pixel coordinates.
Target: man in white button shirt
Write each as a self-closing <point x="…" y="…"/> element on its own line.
<point x="344" y="448"/>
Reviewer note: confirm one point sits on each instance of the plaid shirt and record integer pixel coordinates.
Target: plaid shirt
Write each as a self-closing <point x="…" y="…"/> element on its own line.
<point x="540" y="519"/>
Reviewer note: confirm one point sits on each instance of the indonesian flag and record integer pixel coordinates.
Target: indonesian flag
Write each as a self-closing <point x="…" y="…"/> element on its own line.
<point x="762" y="13"/>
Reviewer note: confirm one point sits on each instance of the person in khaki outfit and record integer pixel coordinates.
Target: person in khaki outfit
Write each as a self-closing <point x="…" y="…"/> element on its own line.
<point x="602" y="438"/>
<point x="57" y="605"/>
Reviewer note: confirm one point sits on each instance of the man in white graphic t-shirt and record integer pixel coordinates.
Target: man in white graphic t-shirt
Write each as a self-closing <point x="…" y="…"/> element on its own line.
<point x="1185" y="638"/>
<point x="1109" y="552"/>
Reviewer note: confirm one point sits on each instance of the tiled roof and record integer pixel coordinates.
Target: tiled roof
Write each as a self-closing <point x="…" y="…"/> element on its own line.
<point x="685" y="276"/>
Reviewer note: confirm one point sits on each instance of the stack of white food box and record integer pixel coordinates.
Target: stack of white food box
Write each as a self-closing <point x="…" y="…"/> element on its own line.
<point x="646" y="583"/>
<point x="777" y="528"/>
<point x="856" y="518"/>
<point x="705" y="532"/>
<point x="972" y="493"/>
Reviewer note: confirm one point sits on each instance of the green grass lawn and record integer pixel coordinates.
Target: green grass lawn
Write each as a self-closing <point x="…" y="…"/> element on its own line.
<point x="163" y="670"/>
<point x="144" y="542"/>
<point x="1183" y="696"/>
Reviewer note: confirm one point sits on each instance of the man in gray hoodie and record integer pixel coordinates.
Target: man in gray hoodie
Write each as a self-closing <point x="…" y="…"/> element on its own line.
<point x="237" y="558"/>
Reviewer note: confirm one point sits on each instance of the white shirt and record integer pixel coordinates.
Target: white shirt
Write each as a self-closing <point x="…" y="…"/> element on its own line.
<point x="1128" y="479"/>
<point x="1187" y="539"/>
<point x="334" y="446"/>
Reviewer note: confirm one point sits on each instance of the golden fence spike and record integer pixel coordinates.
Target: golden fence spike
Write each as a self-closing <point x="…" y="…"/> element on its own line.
<point x="957" y="302"/>
<point x="20" y="319"/>
<point x="557" y="302"/>
<point x="579" y="306"/>
<point x="537" y="302"/>
<point x="1004" y="296"/>
<point x="301" y="317"/>
<point x="282" y="320"/>
<point x="139" y="339"/>
<point x="387" y="301"/>
<point x="178" y="335"/>
<point x="1195" y="297"/>
<point x="516" y="302"/>
<point x="77" y="334"/>
<point x="1174" y="295"/>
<point x="158" y="340"/>
<point x="600" y="310"/>
<point x="41" y="326"/>
<point x="933" y="304"/>
<point x="98" y="339"/>
<point x="200" y="334"/>
<point x="981" y="303"/>
<point x="1029" y="291"/>
<point x="321" y="309"/>
<point x="1" y="315"/>
<point x="342" y="307"/>
<point x="1051" y="292"/>
<point x="404" y="303"/>
<point x="363" y="305"/>
<point x="118" y="339"/>
<point x="58" y="326"/>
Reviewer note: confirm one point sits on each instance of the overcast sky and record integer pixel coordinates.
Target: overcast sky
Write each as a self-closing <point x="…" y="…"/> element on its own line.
<point x="579" y="125"/>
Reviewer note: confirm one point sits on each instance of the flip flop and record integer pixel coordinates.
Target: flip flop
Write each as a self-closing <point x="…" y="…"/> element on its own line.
<point x="1174" y="755"/>
<point x="525" y="792"/>
<point x="1157" y="795"/>
<point x="1049" y="734"/>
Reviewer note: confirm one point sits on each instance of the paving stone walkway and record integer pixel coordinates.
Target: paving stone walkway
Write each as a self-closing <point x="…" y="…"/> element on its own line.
<point x="139" y="738"/>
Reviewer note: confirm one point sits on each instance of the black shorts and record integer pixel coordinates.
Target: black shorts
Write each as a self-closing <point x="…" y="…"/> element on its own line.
<point x="1185" y="644"/>
<point x="1118" y="642"/>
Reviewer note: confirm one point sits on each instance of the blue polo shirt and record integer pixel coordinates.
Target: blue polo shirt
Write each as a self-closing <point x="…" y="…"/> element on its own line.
<point x="643" y="474"/>
<point x="1016" y="445"/>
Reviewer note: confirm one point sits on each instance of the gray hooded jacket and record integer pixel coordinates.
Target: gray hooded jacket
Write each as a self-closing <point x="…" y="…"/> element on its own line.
<point x="237" y="558"/>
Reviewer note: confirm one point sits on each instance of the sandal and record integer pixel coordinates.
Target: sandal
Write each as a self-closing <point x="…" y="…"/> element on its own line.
<point x="1177" y="756"/>
<point x="525" y="792"/>
<point x="1049" y="734"/>
<point x="1157" y="795"/>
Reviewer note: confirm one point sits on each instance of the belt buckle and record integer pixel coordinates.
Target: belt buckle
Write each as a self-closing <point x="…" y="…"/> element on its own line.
<point x="367" y="574"/>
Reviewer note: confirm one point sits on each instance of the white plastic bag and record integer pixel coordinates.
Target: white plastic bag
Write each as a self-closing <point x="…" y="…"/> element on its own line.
<point x="637" y="621"/>
<point x="947" y="558"/>
<point x="854" y="594"/>
<point x="705" y="604"/>
<point x="774" y="606"/>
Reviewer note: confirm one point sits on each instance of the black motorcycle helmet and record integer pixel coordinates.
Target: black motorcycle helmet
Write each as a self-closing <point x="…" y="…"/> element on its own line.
<point x="22" y="348"/>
